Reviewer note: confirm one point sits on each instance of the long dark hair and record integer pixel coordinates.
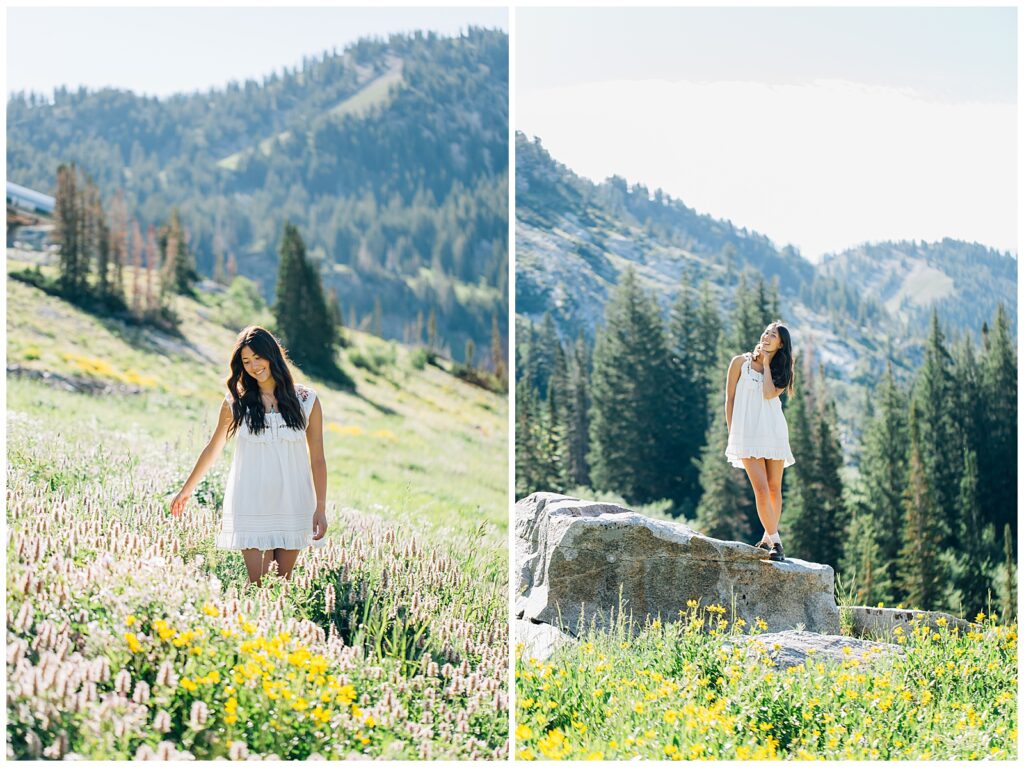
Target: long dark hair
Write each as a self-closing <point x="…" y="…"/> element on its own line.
<point x="245" y="391"/>
<point x="782" y="361"/>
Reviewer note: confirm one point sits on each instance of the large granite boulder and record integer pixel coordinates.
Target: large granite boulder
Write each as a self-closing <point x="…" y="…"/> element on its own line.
<point x="573" y="556"/>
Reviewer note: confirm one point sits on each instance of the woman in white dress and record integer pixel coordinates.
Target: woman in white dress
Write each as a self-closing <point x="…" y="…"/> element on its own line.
<point x="274" y="501"/>
<point x="758" y="434"/>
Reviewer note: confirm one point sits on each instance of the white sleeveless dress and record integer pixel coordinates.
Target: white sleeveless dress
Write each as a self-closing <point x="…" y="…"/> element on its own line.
<point x="269" y="498"/>
<point x="759" y="427"/>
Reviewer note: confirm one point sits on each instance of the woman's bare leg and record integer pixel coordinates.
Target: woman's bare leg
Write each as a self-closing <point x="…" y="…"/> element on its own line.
<point x="257" y="563"/>
<point x="758" y="475"/>
<point x="774" y="472"/>
<point x="285" y="559"/>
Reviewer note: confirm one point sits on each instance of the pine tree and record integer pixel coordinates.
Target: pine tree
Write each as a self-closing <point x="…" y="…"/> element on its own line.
<point x="834" y="518"/>
<point x="577" y="437"/>
<point x="542" y="355"/>
<point x="997" y="452"/>
<point x="529" y="459"/>
<point x="863" y="562"/>
<point x="747" y="319"/>
<point x="179" y="269"/>
<point x="138" y="248"/>
<point x="119" y="244"/>
<point x="884" y="470"/>
<point x="300" y="310"/>
<point x="919" y="568"/>
<point x="940" y="449"/>
<point x="802" y="507"/>
<point x="690" y="400"/>
<point x="498" y="359"/>
<point x="974" y="553"/>
<point x="704" y="349"/>
<point x="630" y="446"/>
<point x="150" y="299"/>
<point x="66" y="228"/>
<point x="726" y="504"/>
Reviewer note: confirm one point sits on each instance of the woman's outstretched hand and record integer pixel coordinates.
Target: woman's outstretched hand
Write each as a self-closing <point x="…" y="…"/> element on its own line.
<point x="319" y="524"/>
<point x="178" y="504"/>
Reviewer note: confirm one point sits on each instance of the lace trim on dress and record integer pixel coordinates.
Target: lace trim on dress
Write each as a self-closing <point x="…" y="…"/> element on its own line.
<point x="773" y="452"/>
<point x="276" y="431"/>
<point x="266" y="541"/>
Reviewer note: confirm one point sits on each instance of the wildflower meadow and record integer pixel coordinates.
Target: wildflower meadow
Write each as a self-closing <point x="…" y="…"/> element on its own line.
<point x="696" y="689"/>
<point x="131" y="636"/>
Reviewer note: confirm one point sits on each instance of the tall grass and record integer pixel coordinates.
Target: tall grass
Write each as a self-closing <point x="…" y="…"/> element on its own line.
<point x="130" y="636"/>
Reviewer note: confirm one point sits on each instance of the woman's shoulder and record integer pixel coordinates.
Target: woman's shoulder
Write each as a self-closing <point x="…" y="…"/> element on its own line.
<point x="304" y="392"/>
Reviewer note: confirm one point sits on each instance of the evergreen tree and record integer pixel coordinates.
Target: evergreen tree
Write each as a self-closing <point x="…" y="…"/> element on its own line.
<point x="884" y="471"/>
<point x="974" y="553"/>
<point x="690" y="390"/>
<point x="726" y="503"/>
<point x="920" y="568"/>
<point x="529" y="457"/>
<point x="940" y="448"/>
<point x="66" y="229"/>
<point x="863" y="563"/>
<point x="997" y="452"/>
<point x="542" y="355"/>
<point x="498" y="358"/>
<point x="300" y="310"/>
<point x="834" y="518"/>
<point x="748" y="321"/>
<point x="119" y="244"/>
<point x="577" y="437"/>
<point x="179" y="268"/>
<point x="630" y="448"/>
<point x="704" y="350"/>
<point x="802" y="507"/>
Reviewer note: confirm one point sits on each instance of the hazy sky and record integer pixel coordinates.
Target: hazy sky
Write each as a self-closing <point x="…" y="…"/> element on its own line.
<point x="160" y="51"/>
<point x="819" y="127"/>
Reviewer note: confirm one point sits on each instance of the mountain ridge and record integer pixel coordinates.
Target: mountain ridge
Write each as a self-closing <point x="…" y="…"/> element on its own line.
<point x="413" y="179"/>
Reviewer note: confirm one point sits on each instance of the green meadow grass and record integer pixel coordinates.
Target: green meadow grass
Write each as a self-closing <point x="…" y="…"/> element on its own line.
<point x="389" y="642"/>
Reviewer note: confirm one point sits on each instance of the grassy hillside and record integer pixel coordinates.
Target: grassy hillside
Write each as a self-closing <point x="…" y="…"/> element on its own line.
<point x="400" y="622"/>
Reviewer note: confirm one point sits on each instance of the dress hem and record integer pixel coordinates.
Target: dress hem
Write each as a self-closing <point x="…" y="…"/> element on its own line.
<point x="775" y="454"/>
<point x="266" y="541"/>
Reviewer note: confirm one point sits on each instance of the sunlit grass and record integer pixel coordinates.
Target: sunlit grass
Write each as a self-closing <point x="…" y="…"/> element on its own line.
<point x="131" y="636"/>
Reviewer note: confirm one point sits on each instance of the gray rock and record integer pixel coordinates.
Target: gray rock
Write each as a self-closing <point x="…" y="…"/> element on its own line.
<point x="573" y="556"/>
<point x="879" y="622"/>
<point x="793" y="648"/>
<point x="539" y="640"/>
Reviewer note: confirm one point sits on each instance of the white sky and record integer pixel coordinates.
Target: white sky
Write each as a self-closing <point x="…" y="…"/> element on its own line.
<point x="822" y="128"/>
<point x="160" y="51"/>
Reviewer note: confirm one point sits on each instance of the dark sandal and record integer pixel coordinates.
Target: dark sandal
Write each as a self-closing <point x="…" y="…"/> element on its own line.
<point x="776" y="554"/>
<point x="763" y="544"/>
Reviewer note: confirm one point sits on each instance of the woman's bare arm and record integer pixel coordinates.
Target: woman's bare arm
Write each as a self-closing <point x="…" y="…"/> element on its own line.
<point x="206" y="458"/>
<point x="731" y="377"/>
<point x="318" y="464"/>
<point x="768" y="390"/>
